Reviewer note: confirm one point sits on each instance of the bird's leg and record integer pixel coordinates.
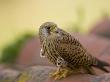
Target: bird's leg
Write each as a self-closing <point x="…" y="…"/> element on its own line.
<point x="59" y="64"/>
<point x="67" y="72"/>
<point x="62" y="70"/>
<point x="57" y="72"/>
<point x="64" y="73"/>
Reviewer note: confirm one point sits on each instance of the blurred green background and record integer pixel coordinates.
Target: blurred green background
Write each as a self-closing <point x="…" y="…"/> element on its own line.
<point x="19" y="18"/>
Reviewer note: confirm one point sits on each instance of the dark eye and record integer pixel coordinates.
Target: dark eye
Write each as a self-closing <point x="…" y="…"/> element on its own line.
<point x="48" y="28"/>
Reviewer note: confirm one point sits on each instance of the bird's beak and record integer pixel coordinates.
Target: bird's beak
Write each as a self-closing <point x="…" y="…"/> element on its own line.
<point x="57" y="30"/>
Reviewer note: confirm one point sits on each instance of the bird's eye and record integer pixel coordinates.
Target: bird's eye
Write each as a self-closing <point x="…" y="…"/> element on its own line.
<point x="48" y="28"/>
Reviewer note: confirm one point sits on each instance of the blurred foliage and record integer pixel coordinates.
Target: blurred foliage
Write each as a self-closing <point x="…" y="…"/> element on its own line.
<point x="11" y="51"/>
<point x="77" y="26"/>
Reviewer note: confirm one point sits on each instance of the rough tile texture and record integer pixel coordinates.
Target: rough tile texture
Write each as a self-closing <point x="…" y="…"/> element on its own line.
<point x="41" y="74"/>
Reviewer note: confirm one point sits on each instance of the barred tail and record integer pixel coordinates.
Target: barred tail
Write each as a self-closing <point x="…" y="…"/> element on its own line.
<point x="101" y="64"/>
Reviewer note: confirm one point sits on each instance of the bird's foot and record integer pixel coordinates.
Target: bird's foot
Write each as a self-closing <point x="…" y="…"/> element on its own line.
<point x="54" y="74"/>
<point x="61" y="74"/>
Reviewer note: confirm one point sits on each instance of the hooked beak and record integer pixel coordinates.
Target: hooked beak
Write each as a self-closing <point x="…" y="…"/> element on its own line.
<point x="57" y="30"/>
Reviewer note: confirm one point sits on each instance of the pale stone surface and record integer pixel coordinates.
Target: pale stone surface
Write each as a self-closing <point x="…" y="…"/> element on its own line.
<point x="41" y="74"/>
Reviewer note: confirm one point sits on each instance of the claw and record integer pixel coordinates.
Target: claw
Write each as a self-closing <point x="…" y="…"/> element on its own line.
<point x="63" y="73"/>
<point x="58" y="77"/>
<point x="52" y="74"/>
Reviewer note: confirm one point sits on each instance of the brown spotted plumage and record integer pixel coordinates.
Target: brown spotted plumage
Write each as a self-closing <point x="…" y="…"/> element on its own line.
<point x="66" y="52"/>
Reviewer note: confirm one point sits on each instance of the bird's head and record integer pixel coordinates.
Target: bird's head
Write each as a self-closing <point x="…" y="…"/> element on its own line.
<point x="48" y="28"/>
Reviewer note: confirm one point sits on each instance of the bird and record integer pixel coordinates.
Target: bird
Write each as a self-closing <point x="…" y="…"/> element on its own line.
<point x="65" y="51"/>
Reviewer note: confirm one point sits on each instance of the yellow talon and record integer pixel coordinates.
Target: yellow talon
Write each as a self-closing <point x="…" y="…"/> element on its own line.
<point x="63" y="73"/>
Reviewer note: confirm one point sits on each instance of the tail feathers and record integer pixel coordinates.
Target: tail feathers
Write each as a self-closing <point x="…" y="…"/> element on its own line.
<point x="101" y="65"/>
